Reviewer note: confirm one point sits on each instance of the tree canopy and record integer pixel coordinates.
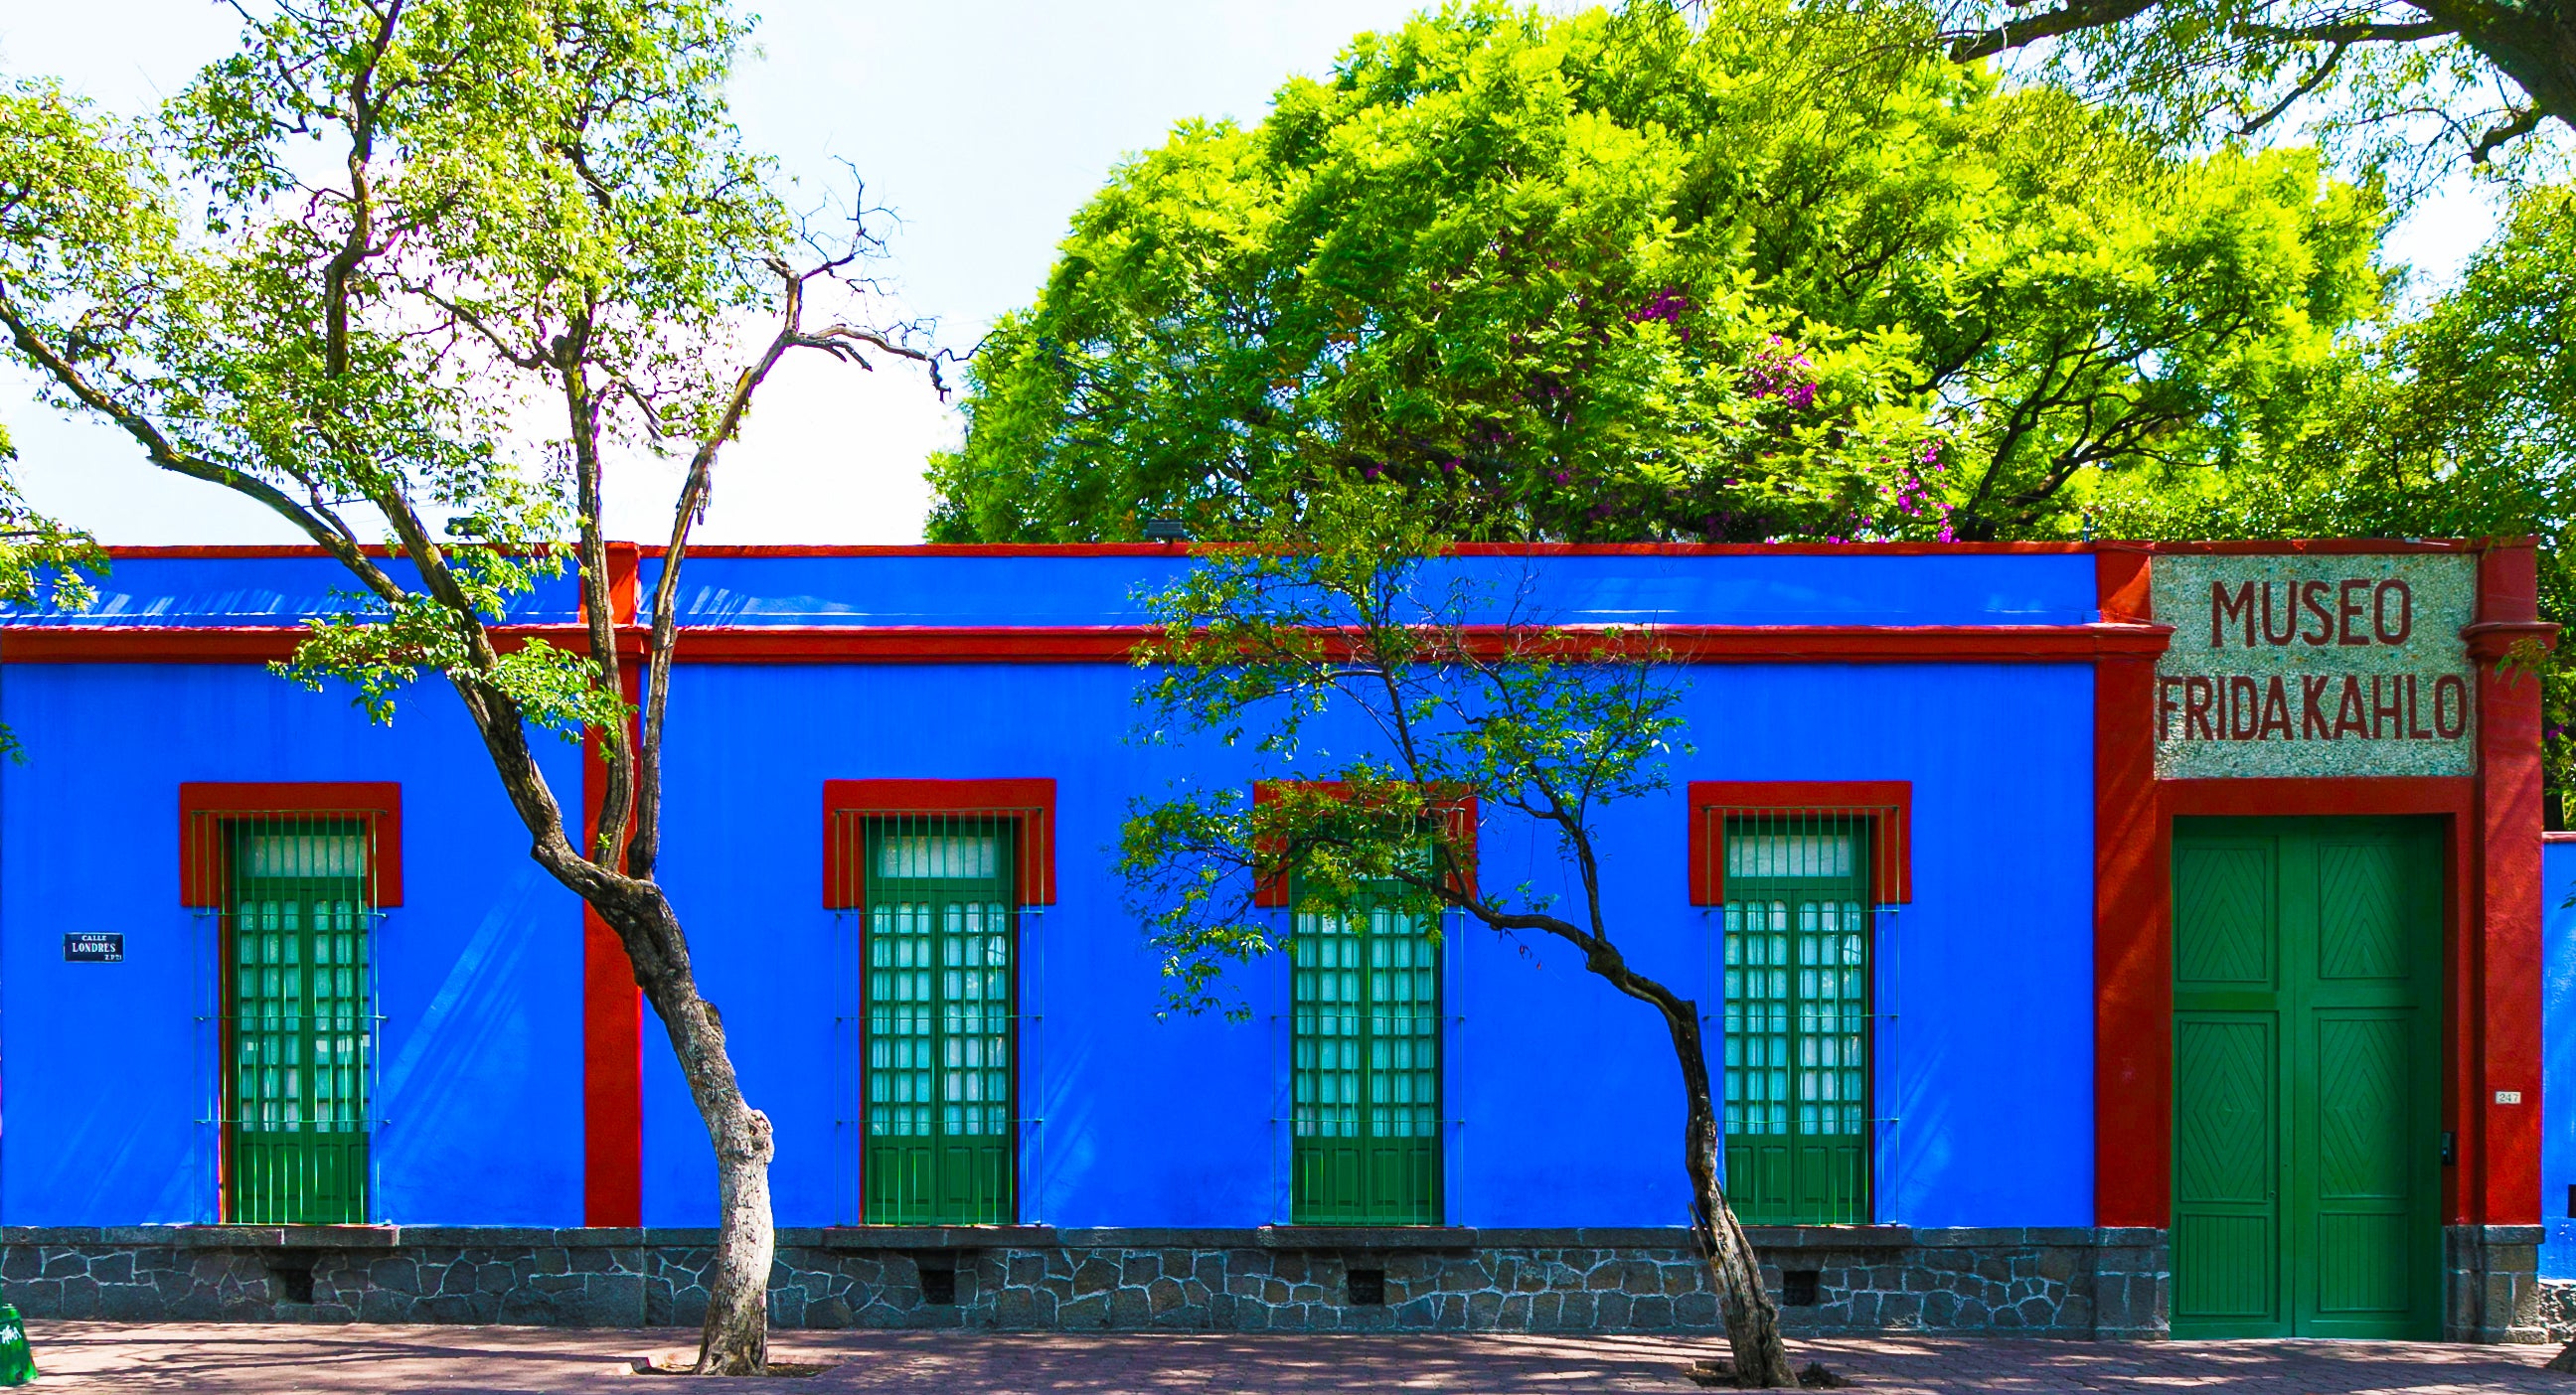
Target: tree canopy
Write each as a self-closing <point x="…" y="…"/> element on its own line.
<point x="2411" y="85"/>
<point x="417" y="271"/>
<point x="2461" y="424"/>
<point x="1622" y="276"/>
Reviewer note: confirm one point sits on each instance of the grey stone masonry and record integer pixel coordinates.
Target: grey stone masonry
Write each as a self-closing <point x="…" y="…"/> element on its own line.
<point x="2558" y="1309"/>
<point x="2491" y="1288"/>
<point x="2066" y="1282"/>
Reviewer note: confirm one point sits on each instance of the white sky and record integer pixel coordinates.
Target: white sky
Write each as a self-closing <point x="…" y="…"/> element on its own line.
<point x="982" y="123"/>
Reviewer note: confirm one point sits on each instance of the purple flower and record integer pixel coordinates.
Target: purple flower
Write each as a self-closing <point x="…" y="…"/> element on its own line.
<point x="1669" y="305"/>
<point x="1778" y="370"/>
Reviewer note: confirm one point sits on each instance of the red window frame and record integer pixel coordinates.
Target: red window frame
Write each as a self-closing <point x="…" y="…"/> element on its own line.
<point x="1459" y="813"/>
<point x="206" y="807"/>
<point x="1887" y="804"/>
<point x="1028" y="803"/>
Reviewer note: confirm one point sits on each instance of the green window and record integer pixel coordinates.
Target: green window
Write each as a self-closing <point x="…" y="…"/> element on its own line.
<point x="1366" y="1066"/>
<point x="299" y="1011"/>
<point x="940" y="989"/>
<point x="1797" y="1020"/>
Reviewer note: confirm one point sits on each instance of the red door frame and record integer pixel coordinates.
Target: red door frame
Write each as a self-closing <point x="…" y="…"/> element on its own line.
<point x="2491" y="897"/>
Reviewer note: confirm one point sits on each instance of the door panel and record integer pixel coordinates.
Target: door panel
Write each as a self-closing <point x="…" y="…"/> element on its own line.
<point x="2223" y="914"/>
<point x="299" y="1026"/>
<point x="939" y="951"/>
<point x="2226" y="1240"/>
<point x="2306" y="1077"/>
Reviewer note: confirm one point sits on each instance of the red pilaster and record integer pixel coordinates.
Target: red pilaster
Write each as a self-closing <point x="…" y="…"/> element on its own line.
<point x="2132" y="985"/>
<point x="2501" y="1142"/>
<point x="612" y="1008"/>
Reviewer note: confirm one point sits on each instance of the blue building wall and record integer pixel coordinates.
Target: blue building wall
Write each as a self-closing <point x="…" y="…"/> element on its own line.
<point x="1768" y="588"/>
<point x="2558" y="1059"/>
<point x="1566" y="1091"/>
<point x="1568" y="1097"/>
<point x="108" y="1067"/>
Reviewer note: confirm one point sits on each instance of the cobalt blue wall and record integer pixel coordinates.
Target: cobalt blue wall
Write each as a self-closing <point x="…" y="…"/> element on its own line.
<point x="253" y="590"/>
<point x="1566" y="1090"/>
<point x="2558" y="1058"/>
<point x="1569" y="1101"/>
<point x="107" y="1068"/>
<point x="1787" y="588"/>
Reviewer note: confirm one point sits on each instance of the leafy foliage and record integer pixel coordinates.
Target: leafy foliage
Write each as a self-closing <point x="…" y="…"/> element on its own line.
<point x="2408" y="87"/>
<point x="2464" y="426"/>
<point x="1435" y="689"/>
<point x="420" y="270"/>
<point x="1619" y="276"/>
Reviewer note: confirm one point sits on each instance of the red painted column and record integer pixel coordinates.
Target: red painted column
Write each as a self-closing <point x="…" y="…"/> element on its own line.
<point x="612" y="1008"/>
<point x="2505" y="973"/>
<point x="2132" y="985"/>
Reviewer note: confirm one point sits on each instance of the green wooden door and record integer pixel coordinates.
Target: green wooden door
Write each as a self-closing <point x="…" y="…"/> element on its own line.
<point x="300" y="1019"/>
<point x="2307" y="1088"/>
<point x="1797" y="1021"/>
<point x="1366" y="1073"/>
<point x="940" y="995"/>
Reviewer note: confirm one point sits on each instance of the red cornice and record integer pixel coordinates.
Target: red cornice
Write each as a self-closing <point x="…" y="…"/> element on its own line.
<point x="826" y="644"/>
<point x="2493" y="639"/>
<point x="256" y="551"/>
<point x="2308" y="546"/>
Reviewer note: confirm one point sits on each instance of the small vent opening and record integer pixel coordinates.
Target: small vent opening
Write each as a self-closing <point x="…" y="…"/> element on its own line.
<point x="1368" y="1288"/>
<point x="1798" y="1288"/>
<point x="293" y="1278"/>
<point x="939" y="1286"/>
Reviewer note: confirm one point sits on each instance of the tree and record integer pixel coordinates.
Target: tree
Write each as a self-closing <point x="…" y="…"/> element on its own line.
<point x="1573" y="278"/>
<point x="1347" y="620"/>
<point x="2462" y="425"/>
<point x="2481" y="74"/>
<point x="440" y="260"/>
<point x="43" y="565"/>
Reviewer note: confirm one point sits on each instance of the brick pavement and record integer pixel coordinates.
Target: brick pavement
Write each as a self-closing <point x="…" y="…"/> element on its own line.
<point x="383" y="1360"/>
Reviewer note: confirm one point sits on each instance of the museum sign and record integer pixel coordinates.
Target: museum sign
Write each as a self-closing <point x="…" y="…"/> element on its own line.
<point x="2315" y="665"/>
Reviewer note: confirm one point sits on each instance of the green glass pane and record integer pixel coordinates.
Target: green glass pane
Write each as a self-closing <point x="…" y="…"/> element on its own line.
<point x="300" y="1023"/>
<point x="1795" y="1016"/>
<point x="1364" y="1066"/>
<point x="939" y="985"/>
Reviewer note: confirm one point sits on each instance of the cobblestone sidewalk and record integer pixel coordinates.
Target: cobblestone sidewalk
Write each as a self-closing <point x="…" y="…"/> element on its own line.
<point x="274" y="1360"/>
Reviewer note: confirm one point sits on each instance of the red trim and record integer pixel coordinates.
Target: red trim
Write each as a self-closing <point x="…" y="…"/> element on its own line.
<point x="1028" y="802"/>
<point x="2132" y="952"/>
<point x="2314" y="547"/>
<point x="2505" y="1052"/>
<point x="2133" y="993"/>
<point x="1638" y="549"/>
<point x="2495" y="639"/>
<point x="1460" y="814"/>
<point x="625" y="583"/>
<point x="1892" y="876"/>
<point x="201" y="859"/>
<point x="2492" y="902"/>
<point x="612" y="1033"/>
<point x="822" y="644"/>
<point x="209" y="644"/>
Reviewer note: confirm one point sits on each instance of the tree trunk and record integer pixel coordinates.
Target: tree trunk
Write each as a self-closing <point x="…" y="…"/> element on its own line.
<point x="735" y="1339"/>
<point x="1752" y="1319"/>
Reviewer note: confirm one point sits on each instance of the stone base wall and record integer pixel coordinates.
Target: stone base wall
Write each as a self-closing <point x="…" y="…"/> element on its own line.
<point x="2557" y="1310"/>
<point x="2073" y="1282"/>
<point x="2492" y="1284"/>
